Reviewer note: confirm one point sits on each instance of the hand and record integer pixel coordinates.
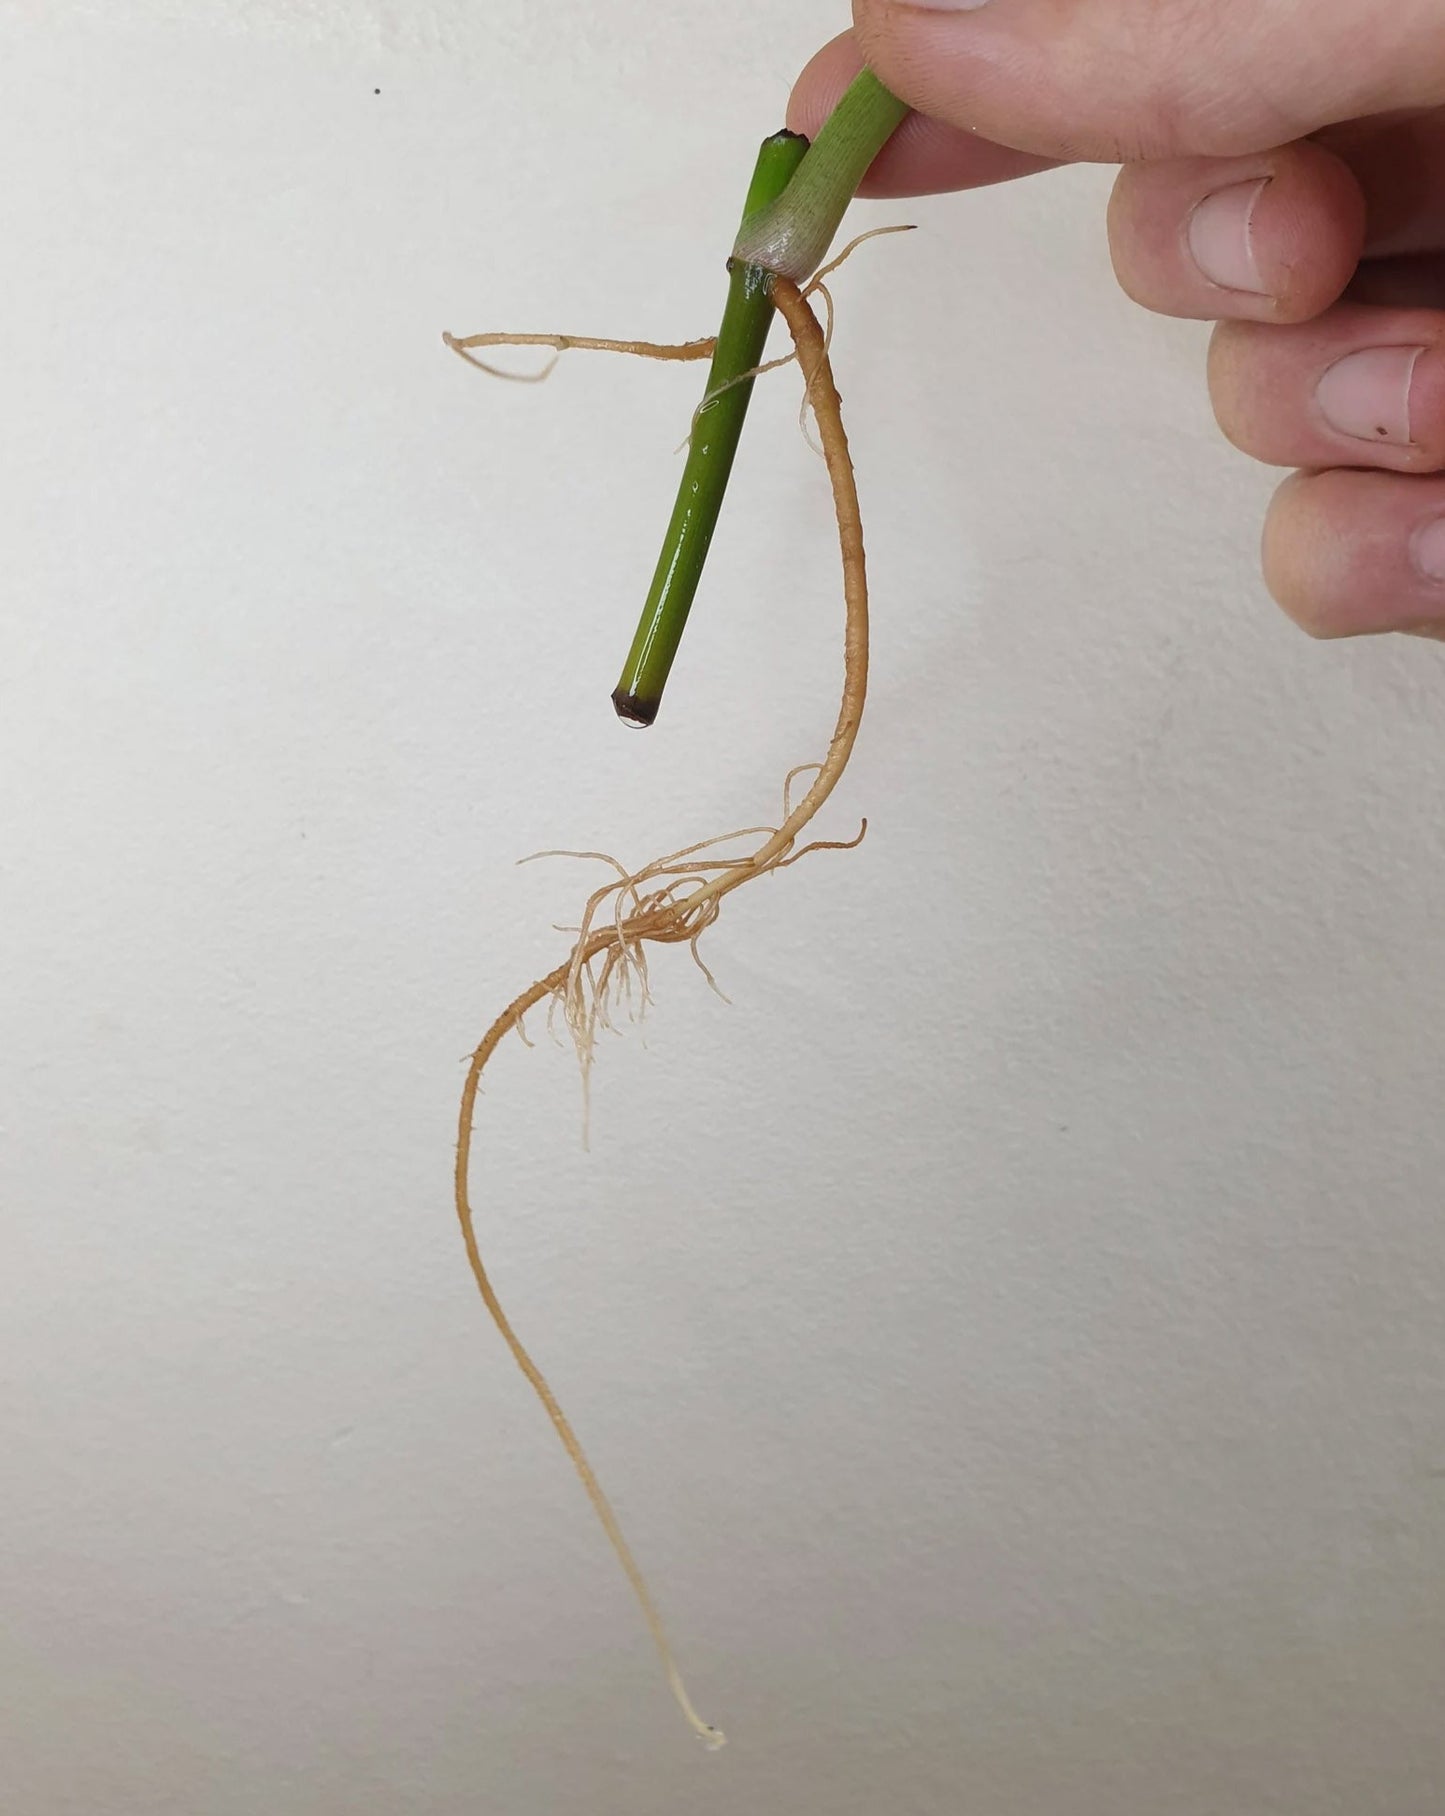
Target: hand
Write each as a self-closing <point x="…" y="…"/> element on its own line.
<point x="1322" y="258"/>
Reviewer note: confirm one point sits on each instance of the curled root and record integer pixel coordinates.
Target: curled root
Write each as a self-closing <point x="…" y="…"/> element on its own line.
<point x="674" y="900"/>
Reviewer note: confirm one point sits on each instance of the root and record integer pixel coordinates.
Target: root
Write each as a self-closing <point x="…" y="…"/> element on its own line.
<point x="675" y="899"/>
<point x="564" y="343"/>
<point x="815" y="286"/>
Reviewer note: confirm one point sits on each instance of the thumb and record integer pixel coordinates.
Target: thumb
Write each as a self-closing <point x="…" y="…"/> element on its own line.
<point x="1116" y="80"/>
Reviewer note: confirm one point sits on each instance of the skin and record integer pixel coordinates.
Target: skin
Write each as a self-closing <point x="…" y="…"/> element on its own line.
<point x="1320" y="126"/>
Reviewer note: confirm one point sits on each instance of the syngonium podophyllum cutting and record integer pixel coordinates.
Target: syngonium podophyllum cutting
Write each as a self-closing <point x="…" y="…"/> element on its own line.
<point x="795" y="202"/>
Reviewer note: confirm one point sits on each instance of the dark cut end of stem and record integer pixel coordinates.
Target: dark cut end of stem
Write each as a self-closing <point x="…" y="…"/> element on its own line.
<point x="633" y="710"/>
<point x="715" y="434"/>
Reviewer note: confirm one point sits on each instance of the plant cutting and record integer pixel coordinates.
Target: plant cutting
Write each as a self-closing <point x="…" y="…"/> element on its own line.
<point x="795" y="203"/>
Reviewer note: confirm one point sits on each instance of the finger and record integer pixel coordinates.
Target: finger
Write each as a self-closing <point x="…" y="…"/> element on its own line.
<point x="1359" y="387"/>
<point x="1119" y="80"/>
<point x="1270" y="238"/>
<point x="1352" y="554"/>
<point x="924" y="157"/>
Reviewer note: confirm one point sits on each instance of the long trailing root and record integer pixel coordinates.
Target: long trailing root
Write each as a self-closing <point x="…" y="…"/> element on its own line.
<point x="675" y="899"/>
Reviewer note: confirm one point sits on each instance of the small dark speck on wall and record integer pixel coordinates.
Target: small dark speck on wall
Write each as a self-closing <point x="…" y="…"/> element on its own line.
<point x="376" y="91"/>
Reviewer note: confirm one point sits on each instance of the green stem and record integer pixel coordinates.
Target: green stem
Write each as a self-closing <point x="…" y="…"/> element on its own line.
<point x="715" y="435"/>
<point x="798" y="196"/>
<point x="793" y="235"/>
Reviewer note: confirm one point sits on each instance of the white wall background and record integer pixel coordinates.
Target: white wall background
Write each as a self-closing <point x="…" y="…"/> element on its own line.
<point x="1012" y="1332"/>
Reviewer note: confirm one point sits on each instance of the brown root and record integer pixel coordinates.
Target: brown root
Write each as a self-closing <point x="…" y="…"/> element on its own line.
<point x="675" y="899"/>
<point x="815" y="287"/>
<point x="565" y="343"/>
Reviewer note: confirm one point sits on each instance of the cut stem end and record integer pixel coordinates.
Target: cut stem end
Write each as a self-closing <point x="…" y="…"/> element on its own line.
<point x="634" y="711"/>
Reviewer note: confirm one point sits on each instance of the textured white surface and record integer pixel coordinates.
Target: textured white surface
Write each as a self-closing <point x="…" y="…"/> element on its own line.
<point x="1013" y="1331"/>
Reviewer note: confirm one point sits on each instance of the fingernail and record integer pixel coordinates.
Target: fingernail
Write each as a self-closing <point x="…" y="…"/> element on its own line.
<point x="1221" y="237"/>
<point x="1427" y="546"/>
<point x="1366" y="395"/>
